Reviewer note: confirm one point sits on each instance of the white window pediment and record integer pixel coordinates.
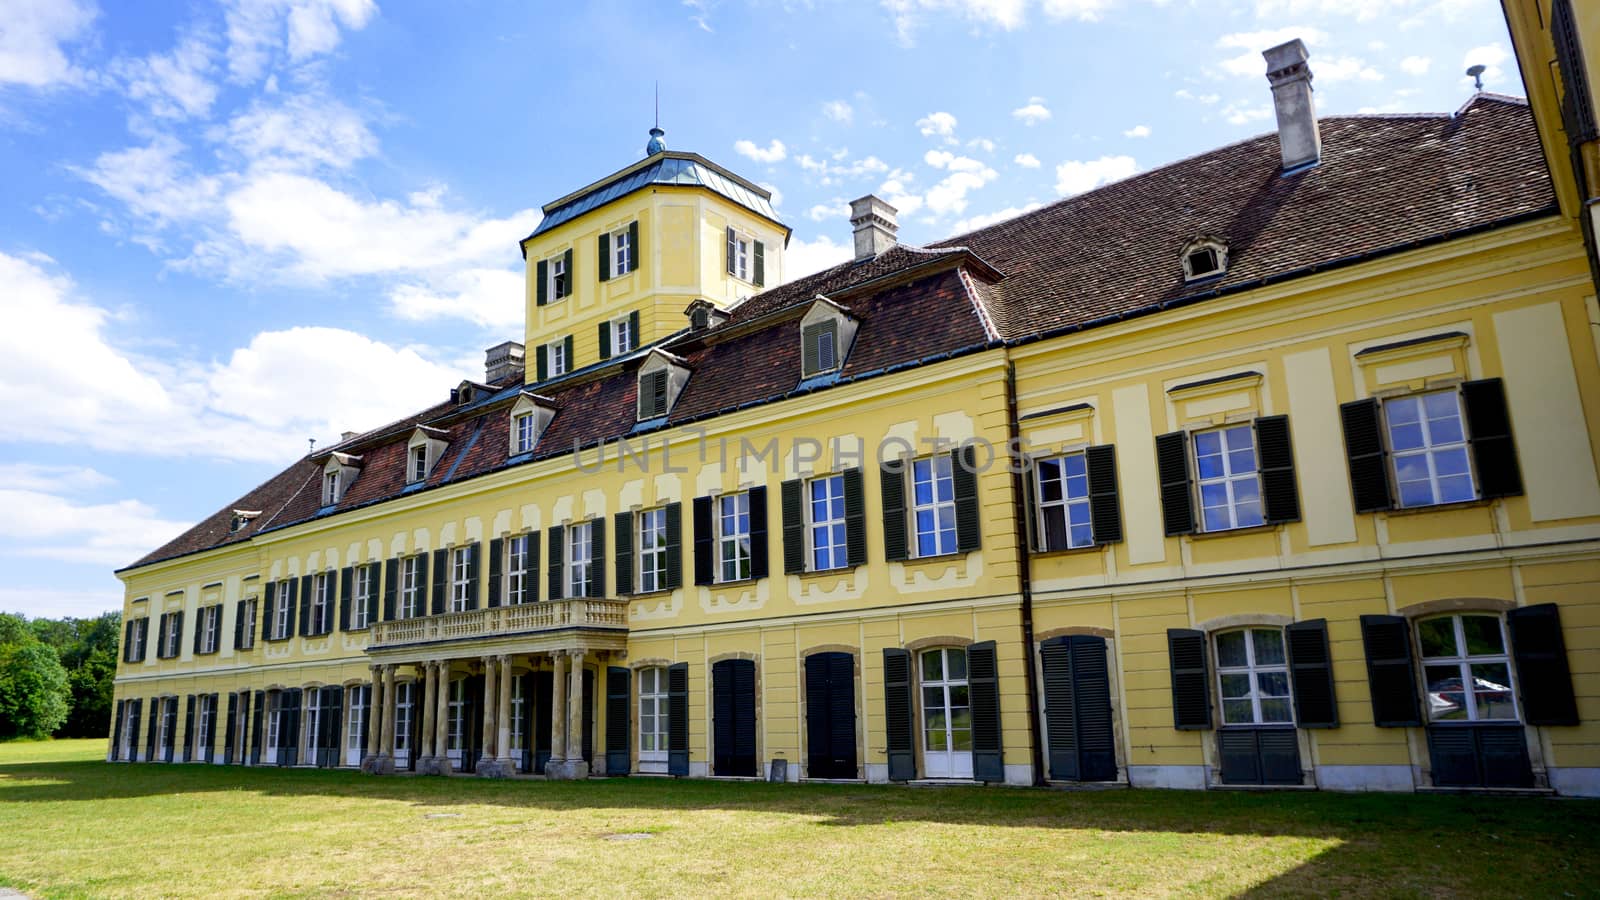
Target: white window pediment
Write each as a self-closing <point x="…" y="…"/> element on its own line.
<point x="423" y="451"/>
<point x="661" y="380"/>
<point x="1204" y="257"/>
<point x="530" y="415"/>
<point x="338" y="473"/>
<point x="827" y="332"/>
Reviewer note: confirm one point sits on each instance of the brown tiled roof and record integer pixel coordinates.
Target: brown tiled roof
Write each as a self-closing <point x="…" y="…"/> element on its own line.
<point x="1385" y="182"/>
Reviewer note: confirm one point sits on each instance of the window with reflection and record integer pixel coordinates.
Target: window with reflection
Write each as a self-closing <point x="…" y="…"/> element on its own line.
<point x="1466" y="668"/>
<point x="1253" y="677"/>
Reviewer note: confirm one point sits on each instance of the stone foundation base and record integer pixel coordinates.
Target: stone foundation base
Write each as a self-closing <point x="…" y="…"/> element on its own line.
<point x="496" y="768"/>
<point x="433" y="765"/>
<point x="378" y="765"/>
<point x="566" y="769"/>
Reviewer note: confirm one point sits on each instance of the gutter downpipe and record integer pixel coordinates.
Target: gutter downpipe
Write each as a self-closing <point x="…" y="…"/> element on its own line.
<point x="1019" y="505"/>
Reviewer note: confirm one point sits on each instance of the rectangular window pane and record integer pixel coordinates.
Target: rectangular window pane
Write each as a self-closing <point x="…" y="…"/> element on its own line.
<point x="1446" y="698"/>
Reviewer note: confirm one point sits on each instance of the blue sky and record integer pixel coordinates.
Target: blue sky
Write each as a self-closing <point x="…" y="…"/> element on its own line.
<point x="226" y="229"/>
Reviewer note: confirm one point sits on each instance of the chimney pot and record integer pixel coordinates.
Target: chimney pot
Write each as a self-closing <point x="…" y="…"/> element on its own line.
<point x="875" y="226"/>
<point x="501" y="360"/>
<point x="1299" y="142"/>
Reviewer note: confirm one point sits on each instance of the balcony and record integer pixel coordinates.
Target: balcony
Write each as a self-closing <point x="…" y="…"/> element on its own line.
<point x="590" y="622"/>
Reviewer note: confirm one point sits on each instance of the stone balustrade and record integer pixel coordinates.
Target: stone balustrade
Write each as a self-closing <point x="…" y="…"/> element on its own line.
<point x="550" y="615"/>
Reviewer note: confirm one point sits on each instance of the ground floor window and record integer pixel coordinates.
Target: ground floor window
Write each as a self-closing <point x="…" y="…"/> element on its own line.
<point x="313" y="726"/>
<point x="129" y="739"/>
<point x="164" y="727"/>
<point x="457" y="717"/>
<point x="518" y="710"/>
<point x="404" y="709"/>
<point x="356" y="698"/>
<point x="653" y="715"/>
<point x="205" y="710"/>
<point x="946" y="713"/>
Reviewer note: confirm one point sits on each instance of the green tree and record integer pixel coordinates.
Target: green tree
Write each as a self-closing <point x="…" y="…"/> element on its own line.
<point x="13" y="628"/>
<point x="34" y="695"/>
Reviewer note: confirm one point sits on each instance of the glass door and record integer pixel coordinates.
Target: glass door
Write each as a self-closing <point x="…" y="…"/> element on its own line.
<point x="946" y="714"/>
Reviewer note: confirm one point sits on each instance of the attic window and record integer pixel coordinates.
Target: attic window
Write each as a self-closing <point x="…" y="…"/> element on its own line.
<point x="529" y="416"/>
<point x="820" y="352"/>
<point x="419" y="463"/>
<point x="330" y="488"/>
<point x="464" y="395"/>
<point x="241" y="520"/>
<point x="653" y="394"/>
<point x="1204" y="259"/>
<point x="827" y="331"/>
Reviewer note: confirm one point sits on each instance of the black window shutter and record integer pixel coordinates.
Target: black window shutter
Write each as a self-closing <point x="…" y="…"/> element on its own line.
<point x="199" y="631"/>
<point x="238" y="624"/>
<point x="572" y="362"/>
<point x="855" y="518"/>
<point x="172" y="727"/>
<point x="633" y="253"/>
<point x="1238" y="756"/>
<point x="441" y="580"/>
<point x="732" y="248"/>
<point x="188" y="729"/>
<point x="1191" y="693"/>
<point x="347" y="580"/>
<point x="809" y="356"/>
<point x="1577" y="107"/>
<point x="554" y="538"/>
<point x="266" y="611"/>
<point x="1105" y="505"/>
<point x="634" y="337"/>
<point x="230" y="733"/>
<point x="899" y="727"/>
<point x="674" y="545"/>
<point x="127" y="641"/>
<point x="1365" y="455"/>
<point x="307" y="597"/>
<point x="604" y="255"/>
<point x="496" y="563"/>
<point x="597" y="558"/>
<point x="541" y="276"/>
<point x="605" y="340"/>
<point x="116" y="730"/>
<point x="474" y="573"/>
<point x="618" y="702"/>
<point x="1280" y="495"/>
<point x="622" y="531"/>
<point x="1311" y="667"/>
<point x="794" y="526"/>
<point x="964" y="476"/>
<point x="983" y="691"/>
<point x="1172" y="468"/>
<point x="422" y="583"/>
<point x="1453" y="757"/>
<point x="572" y="282"/>
<point x="1391" y="674"/>
<point x="1543" y="675"/>
<point x="1494" y="452"/>
<point x="892" y="484"/>
<point x="177" y="645"/>
<point x="530" y="571"/>
<point x="391" y="587"/>
<point x="678" y="719"/>
<point x="1091" y="678"/>
<point x="1060" y="709"/>
<point x="541" y="361"/>
<point x="761" y="264"/>
<point x="257" y="736"/>
<point x="758" y="532"/>
<point x="705" y="564"/>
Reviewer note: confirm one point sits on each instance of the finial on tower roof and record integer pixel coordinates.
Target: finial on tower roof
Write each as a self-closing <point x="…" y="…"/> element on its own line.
<point x="656" y="144"/>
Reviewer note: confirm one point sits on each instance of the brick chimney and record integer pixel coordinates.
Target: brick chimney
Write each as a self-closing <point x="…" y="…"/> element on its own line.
<point x="501" y="360"/>
<point x="875" y="226"/>
<point x="1298" y="140"/>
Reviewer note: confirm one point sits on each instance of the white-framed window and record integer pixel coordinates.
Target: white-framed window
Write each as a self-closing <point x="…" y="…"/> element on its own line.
<point x="411" y="587"/>
<point x="356" y="718"/>
<point x="419" y="463"/>
<point x="406" y="696"/>
<point x="580" y="552"/>
<point x="205" y="711"/>
<point x="621" y="253"/>
<point x="164" y="728"/>
<point x="819" y="351"/>
<point x="1428" y="447"/>
<point x="516" y="564"/>
<point x="825" y="518"/>
<point x="128" y="741"/>
<point x="460" y="579"/>
<point x="653" y="714"/>
<point x="1062" y="483"/>
<point x="457" y="717"/>
<point x="171" y="631"/>
<point x="933" y="505"/>
<point x="733" y="537"/>
<point x="741" y="256"/>
<point x="556" y="362"/>
<point x="560" y="282"/>
<point x="1253" y="677"/>
<point x="361" y="603"/>
<point x="1466" y="668"/>
<point x="518" y="706"/>
<point x="311" y="727"/>
<point x="1227" y="469"/>
<point x="946" y="713"/>
<point x="622" y="337"/>
<point x="135" y="651"/>
<point x="330" y="488"/>
<point x="274" y="728"/>
<point x="282" y="628"/>
<point x="322" y="604"/>
<point x="247" y="631"/>
<point x="523" y="433"/>
<point x="208" y="628"/>
<point x="652" y="550"/>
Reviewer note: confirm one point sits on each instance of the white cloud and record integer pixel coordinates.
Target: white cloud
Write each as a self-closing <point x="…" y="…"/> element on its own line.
<point x="45" y="526"/>
<point x="1033" y="113"/>
<point x="1344" y="68"/>
<point x="23" y="476"/>
<point x="260" y="404"/>
<point x="31" y="41"/>
<point x="154" y="182"/>
<point x="895" y="192"/>
<point x="943" y="159"/>
<point x="1206" y="99"/>
<point x="777" y="195"/>
<point x="805" y="257"/>
<point x="938" y="124"/>
<point x="258" y="31"/>
<point x="1077" y="176"/>
<point x="491" y="298"/>
<point x="303" y="130"/>
<point x="1416" y="65"/>
<point x="839" y="111"/>
<point x="824" y="211"/>
<point x="986" y="219"/>
<point x="1137" y="131"/>
<point x="983" y="144"/>
<point x="175" y="85"/>
<point x="1490" y="56"/>
<point x="1241" y="113"/>
<point x="1253" y="43"/>
<point x="949" y="196"/>
<point x="1082" y="10"/>
<point x="1026" y="160"/>
<point x="1006" y="15"/>
<point x="870" y="165"/>
<point x="773" y="152"/>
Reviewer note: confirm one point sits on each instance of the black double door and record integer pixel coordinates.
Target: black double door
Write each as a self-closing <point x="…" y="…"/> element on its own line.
<point x="733" y="718"/>
<point x="540" y="687"/>
<point x="471" y="723"/>
<point x="831" y="716"/>
<point x="1077" y="709"/>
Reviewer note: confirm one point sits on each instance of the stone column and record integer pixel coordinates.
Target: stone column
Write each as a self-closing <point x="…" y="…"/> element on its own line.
<point x="441" y="719"/>
<point x="486" y="746"/>
<point x="430" y="675"/>
<point x="385" y="763"/>
<point x="558" y="717"/>
<point x="376" y="712"/>
<point x="503" y="718"/>
<point x="575" y="762"/>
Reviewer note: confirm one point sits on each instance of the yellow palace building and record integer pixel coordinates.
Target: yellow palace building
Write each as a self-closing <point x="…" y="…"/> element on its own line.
<point x="1272" y="466"/>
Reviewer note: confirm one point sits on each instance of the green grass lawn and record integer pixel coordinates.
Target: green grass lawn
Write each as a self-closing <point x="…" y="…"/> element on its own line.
<point x="72" y="826"/>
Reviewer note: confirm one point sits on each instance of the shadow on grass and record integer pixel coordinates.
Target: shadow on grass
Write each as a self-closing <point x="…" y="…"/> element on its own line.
<point x="1430" y="843"/>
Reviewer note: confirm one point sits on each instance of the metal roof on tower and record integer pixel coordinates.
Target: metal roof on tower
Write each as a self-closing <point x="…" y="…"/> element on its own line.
<point x="667" y="167"/>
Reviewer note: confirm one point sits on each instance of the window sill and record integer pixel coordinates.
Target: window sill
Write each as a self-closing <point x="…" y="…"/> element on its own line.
<point x="734" y="583"/>
<point x="938" y="558"/>
<point x="1068" y="551"/>
<point x="647" y="595"/>
<point x="1266" y="528"/>
<point x="817" y="574"/>
<point x="1437" y="507"/>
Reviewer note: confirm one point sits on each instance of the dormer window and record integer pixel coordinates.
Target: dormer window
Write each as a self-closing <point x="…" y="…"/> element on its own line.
<point x="529" y="416"/>
<point x="241" y="520"/>
<point x="653" y="394"/>
<point x="423" y="451"/>
<point x="522" y="433"/>
<point x="1204" y="258"/>
<point x="821" y="347"/>
<point x="338" y="473"/>
<point x="330" y="488"/>
<point x="826" y="332"/>
<point x="661" y="379"/>
<point x="419" y="463"/>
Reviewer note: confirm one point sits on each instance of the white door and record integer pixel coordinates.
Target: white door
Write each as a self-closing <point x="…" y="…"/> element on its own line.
<point x="457" y="731"/>
<point x="946" y="714"/>
<point x="274" y="729"/>
<point x="355" y="735"/>
<point x="404" y="709"/>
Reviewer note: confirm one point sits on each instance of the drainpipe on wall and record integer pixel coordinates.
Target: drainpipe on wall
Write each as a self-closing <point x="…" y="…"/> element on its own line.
<point x="1019" y="503"/>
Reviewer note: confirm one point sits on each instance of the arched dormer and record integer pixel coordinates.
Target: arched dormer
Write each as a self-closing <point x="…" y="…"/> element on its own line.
<point x="1204" y="257"/>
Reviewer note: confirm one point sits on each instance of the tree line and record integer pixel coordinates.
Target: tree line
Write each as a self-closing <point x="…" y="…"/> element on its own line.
<point x="56" y="675"/>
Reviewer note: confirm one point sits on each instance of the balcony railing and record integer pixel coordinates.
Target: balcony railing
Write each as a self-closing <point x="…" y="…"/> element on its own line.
<point x="523" y="618"/>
